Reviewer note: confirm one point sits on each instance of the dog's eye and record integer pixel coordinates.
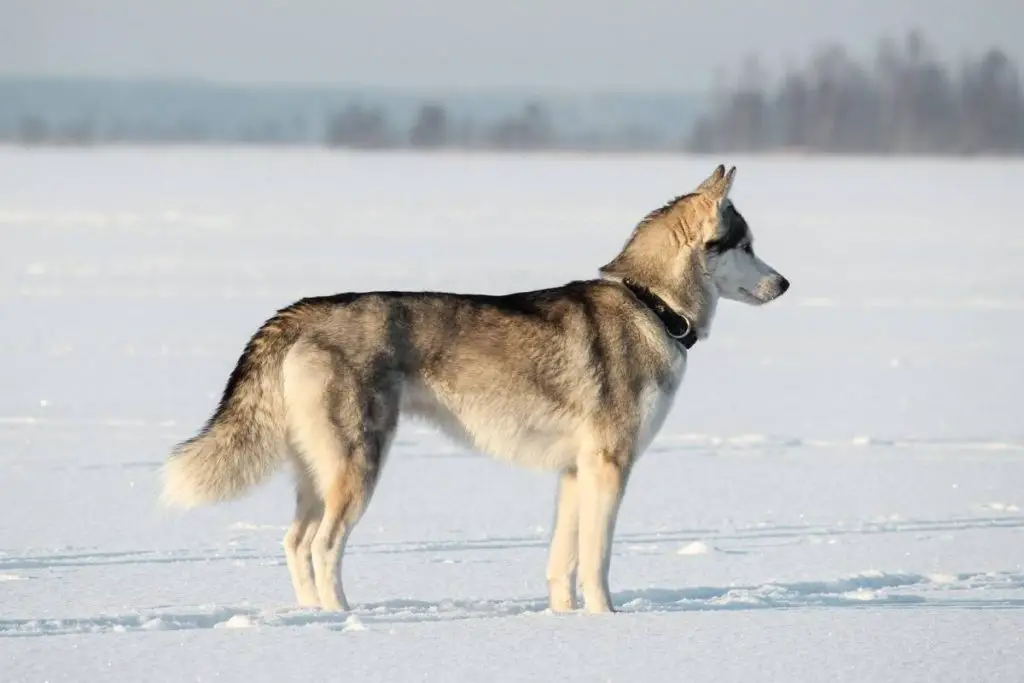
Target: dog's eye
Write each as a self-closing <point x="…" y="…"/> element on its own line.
<point x="748" y="247"/>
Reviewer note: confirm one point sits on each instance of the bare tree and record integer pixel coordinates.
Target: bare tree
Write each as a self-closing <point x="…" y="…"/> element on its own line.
<point x="530" y="129"/>
<point x="360" y="128"/>
<point x="431" y="127"/>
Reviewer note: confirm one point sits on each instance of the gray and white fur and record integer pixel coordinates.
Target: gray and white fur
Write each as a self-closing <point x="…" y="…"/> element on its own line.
<point x="575" y="379"/>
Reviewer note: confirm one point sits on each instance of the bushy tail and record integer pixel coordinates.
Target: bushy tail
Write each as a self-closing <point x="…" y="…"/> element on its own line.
<point x="245" y="439"/>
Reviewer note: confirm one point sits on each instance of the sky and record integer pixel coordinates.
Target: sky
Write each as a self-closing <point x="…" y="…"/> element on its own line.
<point x="630" y="45"/>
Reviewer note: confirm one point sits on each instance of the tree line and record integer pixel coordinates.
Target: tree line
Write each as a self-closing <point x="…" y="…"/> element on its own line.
<point x="904" y="101"/>
<point x="363" y="127"/>
<point x="356" y="126"/>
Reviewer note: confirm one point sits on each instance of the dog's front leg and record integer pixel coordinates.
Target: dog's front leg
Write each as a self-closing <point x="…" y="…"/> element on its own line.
<point x="565" y="540"/>
<point x="601" y="479"/>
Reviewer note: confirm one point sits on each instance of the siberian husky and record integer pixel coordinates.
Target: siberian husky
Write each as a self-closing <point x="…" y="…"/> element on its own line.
<point x="576" y="379"/>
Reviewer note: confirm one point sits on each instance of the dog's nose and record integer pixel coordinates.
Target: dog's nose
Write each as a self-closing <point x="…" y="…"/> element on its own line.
<point x="783" y="285"/>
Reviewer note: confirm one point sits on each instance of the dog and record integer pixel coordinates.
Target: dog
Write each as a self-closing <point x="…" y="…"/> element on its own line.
<point x="575" y="379"/>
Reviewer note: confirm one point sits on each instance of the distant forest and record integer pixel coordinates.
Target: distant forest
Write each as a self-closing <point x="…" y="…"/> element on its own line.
<point x="530" y="129"/>
<point x="903" y="100"/>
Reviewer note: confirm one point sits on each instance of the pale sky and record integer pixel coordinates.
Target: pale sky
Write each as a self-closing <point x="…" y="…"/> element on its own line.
<point x="550" y="44"/>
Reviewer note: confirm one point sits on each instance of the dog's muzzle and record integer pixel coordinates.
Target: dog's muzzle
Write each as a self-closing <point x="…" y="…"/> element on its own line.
<point x="770" y="288"/>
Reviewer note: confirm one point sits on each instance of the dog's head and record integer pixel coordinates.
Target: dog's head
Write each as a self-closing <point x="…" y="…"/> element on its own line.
<point x="728" y="246"/>
<point x="697" y="249"/>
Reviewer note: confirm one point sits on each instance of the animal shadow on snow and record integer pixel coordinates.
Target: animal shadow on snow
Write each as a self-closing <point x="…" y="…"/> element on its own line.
<point x="869" y="590"/>
<point x="866" y="590"/>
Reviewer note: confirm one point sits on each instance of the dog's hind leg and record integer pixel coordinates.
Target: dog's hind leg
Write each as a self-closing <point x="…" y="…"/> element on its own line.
<point x="299" y="538"/>
<point x="343" y="412"/>
<point x="564" y="551"/>
<point x="602" y="478"/>
<point x="345" y="496"/>
<point x="351" y="445"/>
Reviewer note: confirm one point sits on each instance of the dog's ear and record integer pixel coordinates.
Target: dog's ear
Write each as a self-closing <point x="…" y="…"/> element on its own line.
<point x="713" y="179"/>
<point x="720" y="189"/>
<point x="727" y="181"/>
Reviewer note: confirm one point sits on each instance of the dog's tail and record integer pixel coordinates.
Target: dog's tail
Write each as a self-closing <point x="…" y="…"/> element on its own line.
<point x="245" y="439"/>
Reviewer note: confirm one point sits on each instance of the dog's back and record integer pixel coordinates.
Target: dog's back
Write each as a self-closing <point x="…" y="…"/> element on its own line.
<point x="524" y="376"/>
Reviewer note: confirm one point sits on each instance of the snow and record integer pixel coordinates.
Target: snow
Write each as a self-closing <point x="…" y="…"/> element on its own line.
<point x="694" y="548"/>
<point x="836" y="495"/>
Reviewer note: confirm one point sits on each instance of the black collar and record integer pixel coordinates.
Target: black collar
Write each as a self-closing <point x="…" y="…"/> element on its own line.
<point x="677" y="326"/>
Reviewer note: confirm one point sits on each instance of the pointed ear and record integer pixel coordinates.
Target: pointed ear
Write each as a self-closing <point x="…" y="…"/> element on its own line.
<point x="721" y="189"/>
<point x="713" y="179"/>
<point x="727" y="181"/>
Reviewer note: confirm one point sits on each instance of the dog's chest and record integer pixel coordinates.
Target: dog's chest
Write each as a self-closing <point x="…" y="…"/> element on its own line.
<point x="656" y="401"/>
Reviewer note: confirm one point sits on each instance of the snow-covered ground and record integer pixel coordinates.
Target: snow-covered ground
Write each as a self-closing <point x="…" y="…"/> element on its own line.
<point x="838" y="494"/>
